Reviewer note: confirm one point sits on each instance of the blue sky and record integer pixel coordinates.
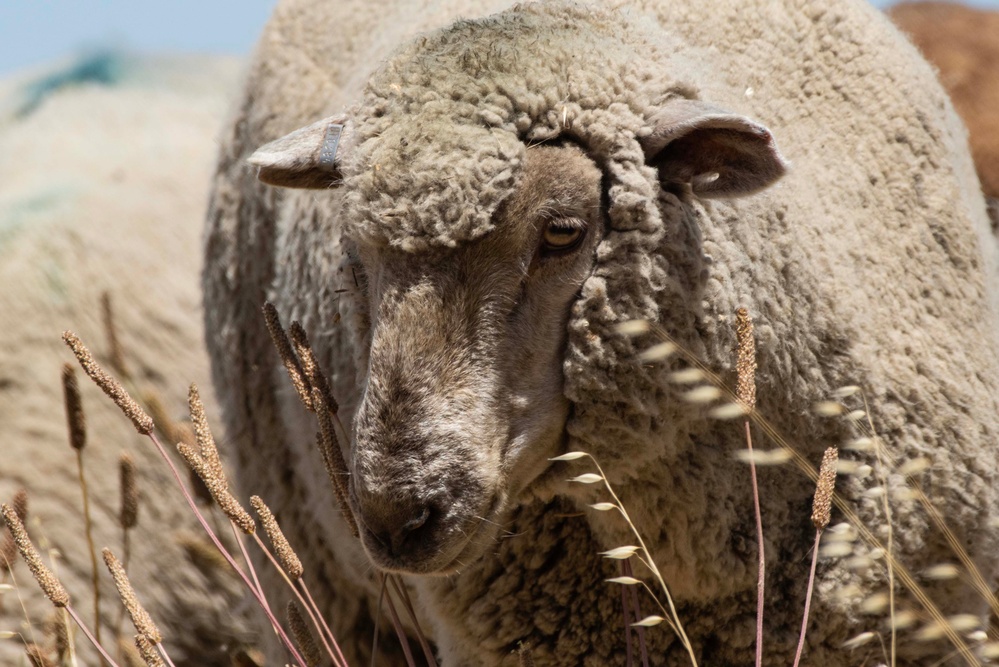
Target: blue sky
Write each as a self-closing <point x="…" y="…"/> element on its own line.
<point x="35" y="32"/>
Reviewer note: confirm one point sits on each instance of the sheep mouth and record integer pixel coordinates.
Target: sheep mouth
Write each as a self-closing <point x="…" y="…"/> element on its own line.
<point x="456" y="546"/>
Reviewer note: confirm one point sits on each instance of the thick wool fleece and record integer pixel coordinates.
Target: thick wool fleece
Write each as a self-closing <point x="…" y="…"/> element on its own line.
<point x="870" y="263"/>
<point x="103" y="191"/>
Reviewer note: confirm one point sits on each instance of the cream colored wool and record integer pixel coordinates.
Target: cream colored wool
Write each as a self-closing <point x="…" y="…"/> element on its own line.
<point x="102" y="190"/>
<point x="871" y="262"/>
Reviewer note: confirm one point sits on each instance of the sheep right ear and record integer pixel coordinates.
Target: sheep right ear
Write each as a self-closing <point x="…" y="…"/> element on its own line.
<point x="306" y="158"/>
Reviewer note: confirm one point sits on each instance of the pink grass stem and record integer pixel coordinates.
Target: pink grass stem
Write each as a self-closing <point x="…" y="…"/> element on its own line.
<point x="321" y="625"/>
<point x="315" y="622"/>
<point x="808" y="598"/>
<point x="166" y="657"/>
<point x="407" y="603"/>
<point x="86" y="632"/>
<point x="760" y="582"/>
<point x="225" y="554"/>
<point x="237" y="535"/>
<point x="403" y="640"/>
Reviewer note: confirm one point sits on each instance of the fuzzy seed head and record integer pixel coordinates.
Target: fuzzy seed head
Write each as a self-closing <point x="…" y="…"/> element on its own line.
<point x="49" y="584"/>
<point x="141" y="619"/>
<point x="310" y="366"/>
<point x="336" y="467"/>
<point x="303" y="636"/>
<point x="745" y="365"/>
<point x="110" y="386"/>
<point x="822" y="504"/>
<point x="128" y="517"/>
<point x="208" y="465"/>
<point x="524" y="655"/>
<point x="115" y="354"/>
<point x="75" y="418"/>
<point x="148" y="651"/>
<point x="289" y="560"/>
<point x="299" y="380"/>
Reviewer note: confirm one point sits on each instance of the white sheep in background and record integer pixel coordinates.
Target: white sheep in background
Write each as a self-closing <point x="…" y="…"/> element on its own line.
<point x="487" y="202"/>
<point x="103" y="185"/>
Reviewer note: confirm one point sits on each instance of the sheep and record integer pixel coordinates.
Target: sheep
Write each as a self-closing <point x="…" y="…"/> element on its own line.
<point x="461" y="213"/>
<point x="963" y="44"/>
<point x="104" y="194"/>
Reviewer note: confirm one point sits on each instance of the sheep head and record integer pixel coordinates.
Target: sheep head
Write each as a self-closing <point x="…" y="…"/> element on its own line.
<point x="464" y="403"/>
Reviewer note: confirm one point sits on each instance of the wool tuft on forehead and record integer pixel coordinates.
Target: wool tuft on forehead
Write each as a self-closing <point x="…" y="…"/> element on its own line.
<point x="439" y="138"/>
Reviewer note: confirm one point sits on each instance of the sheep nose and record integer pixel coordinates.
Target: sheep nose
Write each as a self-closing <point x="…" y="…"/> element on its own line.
<point x="399" y="528"/>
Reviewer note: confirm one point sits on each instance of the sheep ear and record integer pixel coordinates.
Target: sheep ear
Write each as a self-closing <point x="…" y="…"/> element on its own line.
<point x="718" y="153"/>
<point x="306" y="158"/>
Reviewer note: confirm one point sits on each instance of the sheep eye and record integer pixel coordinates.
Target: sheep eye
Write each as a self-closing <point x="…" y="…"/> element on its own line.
<point x="562" y="235"/>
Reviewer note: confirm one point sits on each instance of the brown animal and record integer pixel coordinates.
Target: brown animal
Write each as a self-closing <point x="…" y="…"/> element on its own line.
<point x="963" y="44"/>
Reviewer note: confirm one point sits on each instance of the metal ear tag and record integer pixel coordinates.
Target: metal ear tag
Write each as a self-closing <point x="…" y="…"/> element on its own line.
<point x="331" y="141"/>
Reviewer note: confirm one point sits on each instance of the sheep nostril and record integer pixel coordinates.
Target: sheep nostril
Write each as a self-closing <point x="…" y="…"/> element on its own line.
<point x="416" y="523"/>
<point x="407" y="535"/>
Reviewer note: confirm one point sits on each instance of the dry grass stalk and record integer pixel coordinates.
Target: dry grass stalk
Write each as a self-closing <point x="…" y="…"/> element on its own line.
<point x="75" y="418"/>
<point x="141" y="619"/>
<point x="291" y="362"/>
<point x="821" y="513"/>
<point x="48" y="582"/>
<point x="303" y="636"/>
<point x="289" y="560"/>
<point x="110" y="386"/>
<point x="37" y="657"/>
<point x="208" y="465"/>
<point x="148" y="651"/>
<point x="336" y="467"/>
<point x="128" y="516"/>
<point x="116" y="356"/>
<point x="400" y="589"/>
<point x="77" y="424"/>
<point x="311" y="367"/>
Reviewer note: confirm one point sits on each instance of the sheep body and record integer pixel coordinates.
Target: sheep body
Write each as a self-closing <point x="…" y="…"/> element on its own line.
<point x="102" y="187"/>
<point x="871" y="263"/>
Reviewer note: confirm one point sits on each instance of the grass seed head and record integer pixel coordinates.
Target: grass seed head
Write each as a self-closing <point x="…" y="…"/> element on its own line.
<point x="141" y="619"/>
<point x="336" y="467"/>
<point x="282" y="344"/>
<point x="48" y="582"/>
<point x="148" y="651"/>
<point x="745" y="365"/>
<point x="524" y="655"/>
<point x="116" y="356"/>
<point x="289" y="560"/>
<point x="110" y="386"/>
<point x="75" y="418"/>
<point x="822" y="503"/>
<point x="310" y="365"/>
<point x="128" y="517"/>
<point x="303" y="636"/>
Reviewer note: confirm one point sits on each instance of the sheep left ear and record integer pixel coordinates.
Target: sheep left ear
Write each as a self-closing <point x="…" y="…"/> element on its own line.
<point x="306" y="158"/>
<point x="716" y="152"/>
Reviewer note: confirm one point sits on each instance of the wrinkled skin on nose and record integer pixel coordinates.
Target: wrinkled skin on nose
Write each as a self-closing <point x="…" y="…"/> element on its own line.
<point x="463" y="404"/>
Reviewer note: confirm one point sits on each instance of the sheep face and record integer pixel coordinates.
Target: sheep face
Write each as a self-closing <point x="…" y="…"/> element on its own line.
<point x="464" y="404"/>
